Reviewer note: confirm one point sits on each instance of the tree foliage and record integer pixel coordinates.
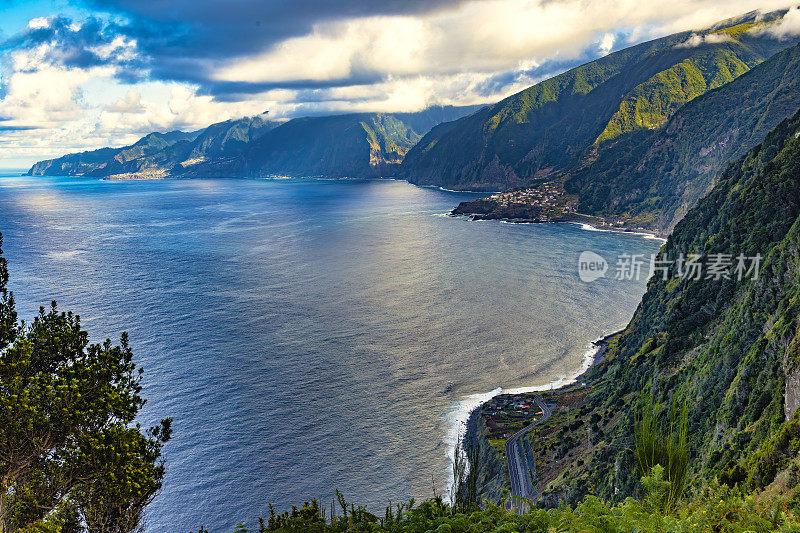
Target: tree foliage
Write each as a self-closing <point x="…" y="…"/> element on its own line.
<point x="71" y="455"/>
<point x="714" y="508"/>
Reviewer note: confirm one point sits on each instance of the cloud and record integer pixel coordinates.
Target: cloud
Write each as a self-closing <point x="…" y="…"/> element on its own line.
<point x="252" y="46"/>
<point x="487" y="37"/>
<point x="606" y="44"/>
<point x="179" y="107"/>
<point x="84" y="44"/>
<point x="193" y="28"/>
<point x="3" y="127"/>
<point x="136" y="66"/>
<point x="786" y="28"/>
<point x="132" y="103"/>
<point x="710" y="38"/>
<point x="41" y="93"/>
<point x="395" y="46"/>
<point x="38" y="23"/>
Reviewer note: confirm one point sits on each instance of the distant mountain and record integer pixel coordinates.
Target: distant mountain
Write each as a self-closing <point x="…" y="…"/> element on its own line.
<point x="358" y="145"/>
<point x="543" y="131"/>
<point x="345" y="145"/>
<point x="87" y="163"/>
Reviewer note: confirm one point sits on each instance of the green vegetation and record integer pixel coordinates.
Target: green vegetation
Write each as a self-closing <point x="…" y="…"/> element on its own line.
<point x="667" y="451"/>
<point x="354" y="145"/>
<point x="652" y="103"/>
<point x="465" y="495"/>
<point x="71" y="458"/>
<point x="737" y="30"/>
<point x="727" y="344"/>
<point x="653" y="178"/>
<point x="714" y="508"/>
<point x="553" y="126"/>
<point x="722" y="458"/>
<point x="360" y="145"/>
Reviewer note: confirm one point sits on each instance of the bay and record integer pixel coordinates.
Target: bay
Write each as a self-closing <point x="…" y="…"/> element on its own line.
<point x="305" y="334"/>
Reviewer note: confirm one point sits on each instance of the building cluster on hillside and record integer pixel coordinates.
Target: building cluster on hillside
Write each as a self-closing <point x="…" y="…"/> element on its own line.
<point x="506" y="413"/>
<point x="549" y="199"/>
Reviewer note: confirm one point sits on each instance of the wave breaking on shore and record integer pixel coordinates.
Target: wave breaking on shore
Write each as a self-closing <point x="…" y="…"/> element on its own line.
<point x="455" y="420"/>
<point x="643" y="234"/>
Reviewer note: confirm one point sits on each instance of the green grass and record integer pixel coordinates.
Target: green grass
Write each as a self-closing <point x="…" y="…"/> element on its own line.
<point x="499" y="445"/>
<point x="714" y="508"/>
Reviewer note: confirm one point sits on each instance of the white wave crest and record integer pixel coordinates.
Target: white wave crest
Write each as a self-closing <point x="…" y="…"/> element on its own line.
<point x="455" y="420"/>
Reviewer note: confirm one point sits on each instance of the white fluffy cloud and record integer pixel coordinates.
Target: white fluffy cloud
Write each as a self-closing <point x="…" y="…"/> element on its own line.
<point x="473" y="52"/>
<point x="696" y="40"/>
<point x="788" y="27"/>
<point x="40" y="94"/>
<point x="48" y="108"/>
<point x="179" y="107"/>
<point x="476" y="36"/>
<point x="606" y="44"/>
<point x="379" y="44"/>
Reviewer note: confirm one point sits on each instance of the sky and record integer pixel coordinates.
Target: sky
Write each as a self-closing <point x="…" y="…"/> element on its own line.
<point x="79" y="75"/>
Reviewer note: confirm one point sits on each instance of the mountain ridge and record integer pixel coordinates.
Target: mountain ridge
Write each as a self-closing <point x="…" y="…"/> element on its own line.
<point x="651" y="181"/>
<point x="354" y="144"/>
<point x="726" y="345"/>
<point x="543" y="131"/>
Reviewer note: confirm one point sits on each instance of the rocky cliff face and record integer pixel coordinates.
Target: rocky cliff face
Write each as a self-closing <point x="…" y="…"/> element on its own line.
<point x="723" y="343"/>
<point x="493" y="474"/>
<point x="353" y="145"/>
<point x="791" y="393"/>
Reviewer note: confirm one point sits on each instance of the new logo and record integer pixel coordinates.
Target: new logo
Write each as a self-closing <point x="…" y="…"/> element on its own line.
<point x="591" y="266"/>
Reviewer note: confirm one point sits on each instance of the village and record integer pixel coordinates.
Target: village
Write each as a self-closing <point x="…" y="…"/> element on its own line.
<point x="548" y="200"/>
<point x="506" y="414"/>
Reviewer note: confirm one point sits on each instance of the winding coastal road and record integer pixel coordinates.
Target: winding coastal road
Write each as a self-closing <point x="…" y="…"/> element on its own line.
<point x="521" y="466"/>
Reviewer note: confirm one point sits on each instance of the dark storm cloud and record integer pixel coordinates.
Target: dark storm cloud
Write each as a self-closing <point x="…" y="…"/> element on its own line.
<point x="176" y="39"/>
<point x="218" y="29"/>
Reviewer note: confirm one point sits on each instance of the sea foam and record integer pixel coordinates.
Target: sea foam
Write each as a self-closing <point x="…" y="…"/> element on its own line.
<point x="455" y="420"/>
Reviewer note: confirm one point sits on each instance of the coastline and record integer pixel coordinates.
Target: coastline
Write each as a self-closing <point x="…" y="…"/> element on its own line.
<point x="641" y="232"/>
<point x="545" y="209"/>
<point x="586" y="224"/>
<point x="463" y="421"/>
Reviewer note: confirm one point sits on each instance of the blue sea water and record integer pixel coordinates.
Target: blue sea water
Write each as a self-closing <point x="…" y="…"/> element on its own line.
<point x="304" y="334"/>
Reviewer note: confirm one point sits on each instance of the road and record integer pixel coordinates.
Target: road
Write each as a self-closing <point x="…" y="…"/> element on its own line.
<point x="520" y="460"/>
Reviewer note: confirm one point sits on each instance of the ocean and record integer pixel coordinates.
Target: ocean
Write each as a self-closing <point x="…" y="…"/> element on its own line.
<point x="309" y="335"/>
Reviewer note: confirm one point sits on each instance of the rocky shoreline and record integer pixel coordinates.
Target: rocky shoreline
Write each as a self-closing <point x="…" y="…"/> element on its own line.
<point x="489" y="209"/>
<point x="487" y="427"/>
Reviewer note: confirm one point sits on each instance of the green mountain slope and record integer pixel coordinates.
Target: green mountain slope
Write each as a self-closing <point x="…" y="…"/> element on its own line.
<point x="728" y="346"/>
<point x="651" y="180"/>
<point x="542" y="131"/>
<point x="89" y="162"/>
<point x="362" y="145"/>
<point x="346" y="145"/>
<point x="157" y="154"/>
<point x="211" y="151"/>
